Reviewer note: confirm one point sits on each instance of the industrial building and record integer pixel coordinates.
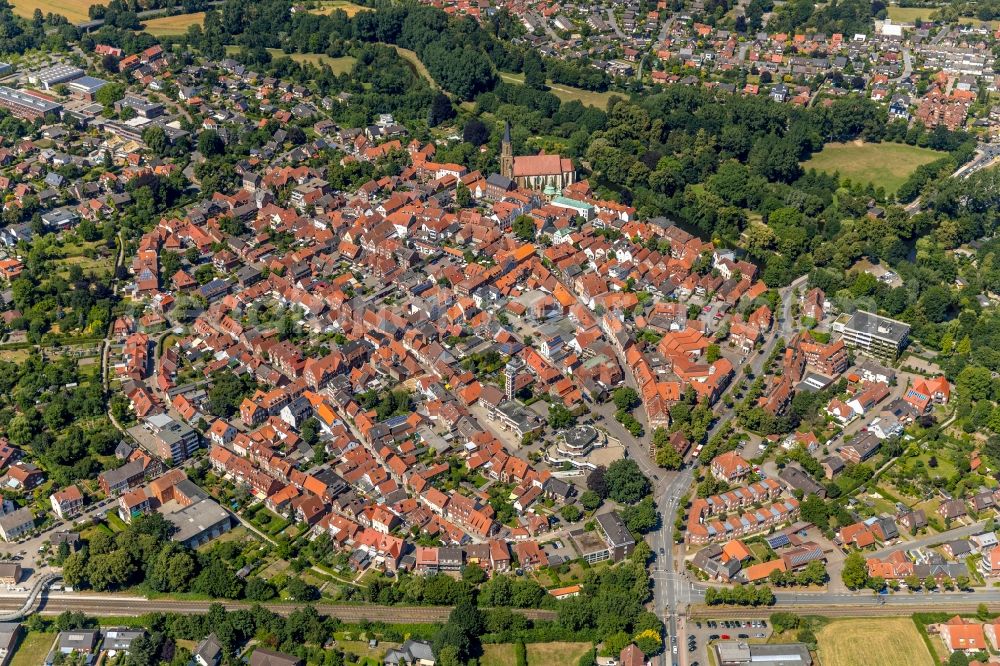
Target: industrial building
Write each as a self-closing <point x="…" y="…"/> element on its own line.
<point x="27" y="106"/>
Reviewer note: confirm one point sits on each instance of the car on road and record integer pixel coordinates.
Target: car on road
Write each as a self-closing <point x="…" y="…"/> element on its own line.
<point x="675" y="649"/>
<point x="724" y="637"/>
<point x="744" y="636"/>
<point x="664" y="552"/>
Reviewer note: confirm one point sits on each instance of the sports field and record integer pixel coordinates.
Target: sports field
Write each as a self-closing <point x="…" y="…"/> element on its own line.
<point x="74" y="10"/>
<point x="872" y="641"/>
<point x="909" y="14"/>
<point x="885" y="165"/>
<point x="567" y="93"/>
<point x="171" y="26"/>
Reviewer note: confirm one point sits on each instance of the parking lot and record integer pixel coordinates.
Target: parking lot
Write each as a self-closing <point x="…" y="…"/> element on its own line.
<point x="706" y="632"/>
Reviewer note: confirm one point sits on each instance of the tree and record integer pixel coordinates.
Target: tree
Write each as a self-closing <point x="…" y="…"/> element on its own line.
<point x="226" y="393"/>
<point x="625" y="398"/>
<point x="590" y="500"/>
<point x="668" y="457"/>
<point x="475" y="132"/>
<point x="258" y="589"/>
<point x="935" y="302"/>
<point x="310" y="430"/>
<point x="299" y="590"/>
<point x="474" y="574"/>
<point x="958" y="658"/>
<point x="534" y="70"/>
<point x="855" y="572"/>
<point x="570" y="513"/>
<point x="210" y="144"/>
<point x="597" y="481"/>
<point x="712" y="353"/>
<point x="560" y="418"/>
<point x="156" y="139"/>
<point x="642" y="517"/>
<point x="441" y="110"/>
<point x="463" y="197"/>
<point x="524" y="227"/>
<point x="814" y="510"/>
<point x="626" y="483"/>
<point x="783" y="621"/>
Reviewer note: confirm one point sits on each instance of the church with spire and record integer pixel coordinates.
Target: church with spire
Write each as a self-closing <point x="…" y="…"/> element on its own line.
<point x="549" y="173"/>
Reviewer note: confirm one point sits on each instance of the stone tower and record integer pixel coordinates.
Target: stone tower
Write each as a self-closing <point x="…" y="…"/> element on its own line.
<point x="506" y="154"/>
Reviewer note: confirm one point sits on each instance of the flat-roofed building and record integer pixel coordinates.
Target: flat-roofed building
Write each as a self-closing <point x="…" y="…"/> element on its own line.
<point x="9" y="633"/>
<point x="738" y="653"/>
<point x="54" y="75"/>
<point x="27" y="106"/>
<point x="875" y="335"/>
<point x="86" y="87"/>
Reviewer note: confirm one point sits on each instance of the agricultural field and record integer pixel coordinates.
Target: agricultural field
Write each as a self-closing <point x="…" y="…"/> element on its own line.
<point x="172" y="26"/>
<point x="330" y="6"/>
<point x="885" y="165"/>
<point x="872" y="641"/>
<point x="567" y="93"/>
<point x="33" y="649"/>
<point x="539" y="654"/>
<point x="909" y="14"/>
<point x="75" y="11"/>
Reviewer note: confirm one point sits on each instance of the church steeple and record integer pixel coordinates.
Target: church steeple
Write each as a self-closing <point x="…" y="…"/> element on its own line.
<point x="506" y="154"/>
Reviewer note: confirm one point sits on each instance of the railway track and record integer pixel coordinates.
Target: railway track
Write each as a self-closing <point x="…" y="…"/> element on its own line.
<point x="112" y="605"/>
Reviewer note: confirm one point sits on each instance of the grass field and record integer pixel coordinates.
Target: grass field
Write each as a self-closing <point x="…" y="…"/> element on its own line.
<point x="539" y="654"/>
<point x="329" y="7"/>
<point x="33" y="649"/>
<point x="414" y="60"/>
<point x="872" y="641"/>
<point x="969" y="20"/>
<point x="340" y="65"/>
<point x="885" y="165"/>
<point x="909" y="14"/>
<point x="567" y="93"/>
<point x="171" y="26"/>
<point x="74" y="10"/>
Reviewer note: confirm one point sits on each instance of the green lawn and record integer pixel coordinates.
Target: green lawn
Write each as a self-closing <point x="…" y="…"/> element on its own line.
<point x="567" y="93"/>
<point x="33" y="649"/>
<point x="885" y="165"/>
<point x="116" y="523"/>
